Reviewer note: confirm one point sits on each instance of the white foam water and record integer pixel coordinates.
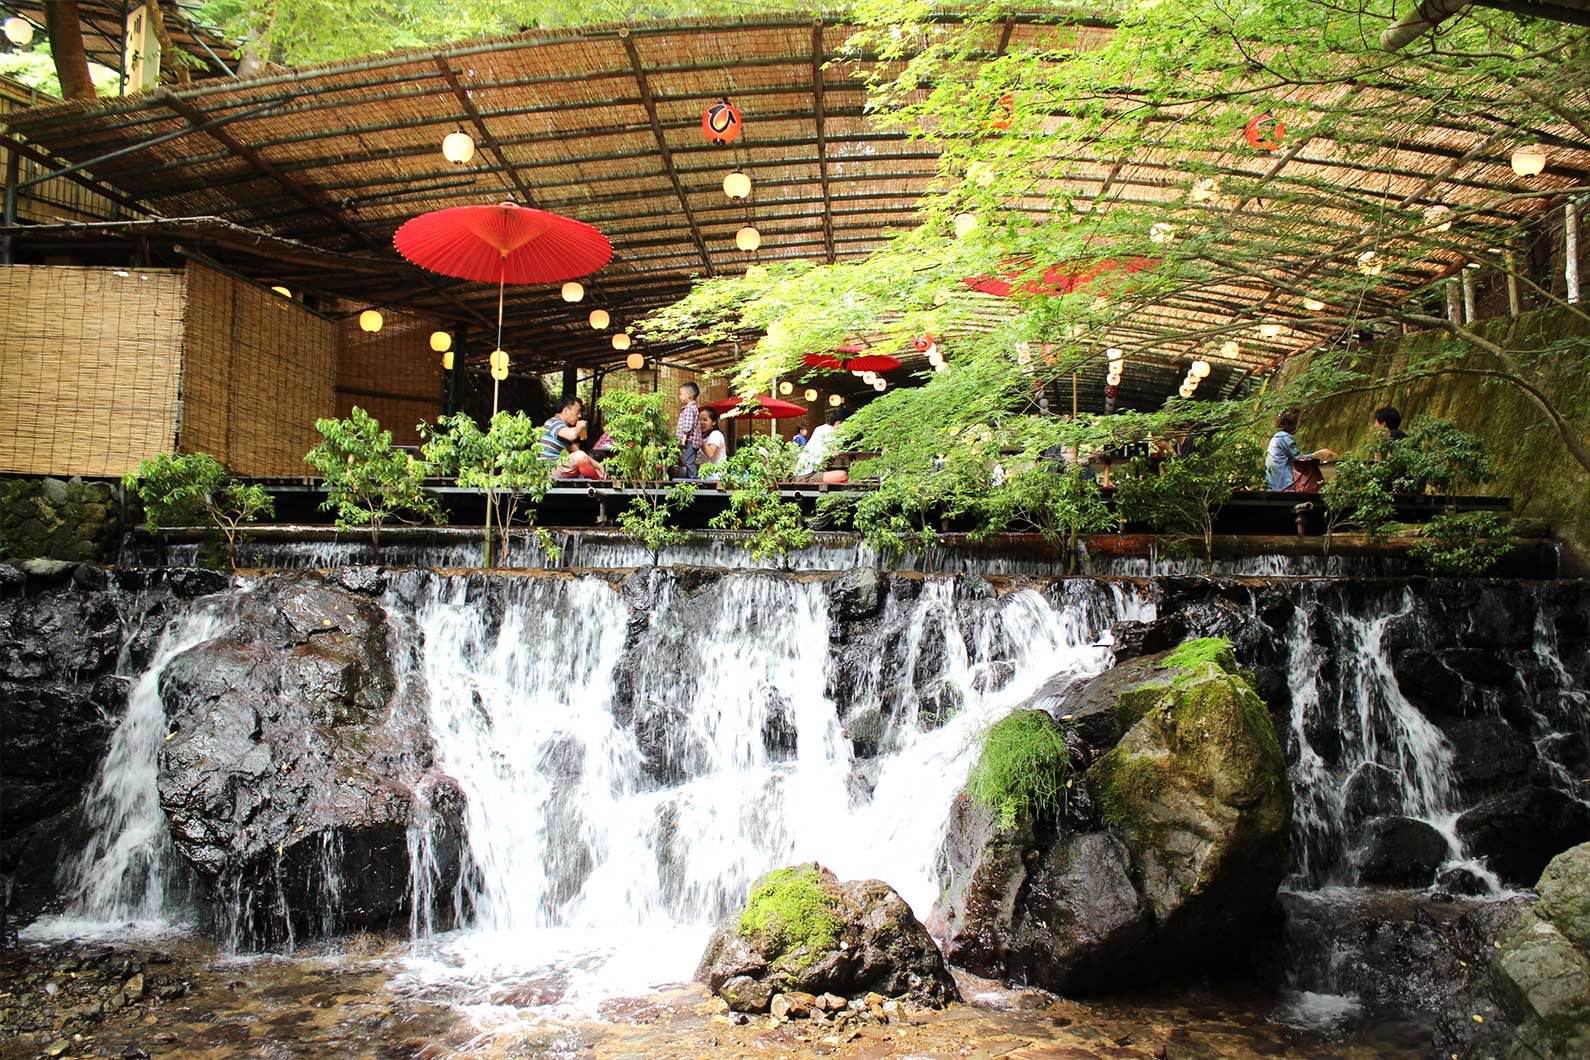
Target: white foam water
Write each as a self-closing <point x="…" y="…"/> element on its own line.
<point x="602" y="848"/>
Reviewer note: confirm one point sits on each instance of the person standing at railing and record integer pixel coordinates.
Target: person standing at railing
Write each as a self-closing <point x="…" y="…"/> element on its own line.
<point x="689" y="428"/>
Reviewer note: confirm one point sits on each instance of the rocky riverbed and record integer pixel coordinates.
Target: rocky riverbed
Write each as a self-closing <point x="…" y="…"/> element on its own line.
<point x="177" y="998"/>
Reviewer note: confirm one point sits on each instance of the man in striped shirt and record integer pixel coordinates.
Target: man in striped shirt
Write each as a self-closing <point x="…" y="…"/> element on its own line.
<point x="562" y="435"/>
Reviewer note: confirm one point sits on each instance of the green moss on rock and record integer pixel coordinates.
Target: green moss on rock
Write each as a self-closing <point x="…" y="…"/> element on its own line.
<point x="790" y="913"/>
<point x="1201" y="653"/>
<point x="1022" y="768"/>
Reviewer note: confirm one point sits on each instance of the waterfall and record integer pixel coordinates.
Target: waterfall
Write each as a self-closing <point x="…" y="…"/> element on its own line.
<point x="128" y="873"/>
<point x="625" y="786"/>
<point x="1382" y="742"/>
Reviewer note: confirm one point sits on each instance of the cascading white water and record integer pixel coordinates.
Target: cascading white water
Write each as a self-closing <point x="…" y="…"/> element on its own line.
<point x="125" y="875"/>
<point x="619" y="802"/>
<point x="1378" y="729"/>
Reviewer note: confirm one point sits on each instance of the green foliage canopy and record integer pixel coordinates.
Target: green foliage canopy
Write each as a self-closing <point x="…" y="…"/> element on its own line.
<point x="368" y="483"/>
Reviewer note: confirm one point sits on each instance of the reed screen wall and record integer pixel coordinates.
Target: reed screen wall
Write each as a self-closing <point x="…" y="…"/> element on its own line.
<point x="393" y="374"/>
<point x="89" y="367"/>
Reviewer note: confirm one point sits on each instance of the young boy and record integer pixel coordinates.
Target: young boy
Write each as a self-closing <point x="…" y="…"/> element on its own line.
<point x="689" y="429"/>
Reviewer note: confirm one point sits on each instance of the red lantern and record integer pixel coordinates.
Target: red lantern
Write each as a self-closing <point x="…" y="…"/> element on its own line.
<point x="1004" y="111"/>
<point x="722" y="123"/>
<point x="1265" y="132"/>
<point x="923" y="343"/>
<point x="1110" y="392"/>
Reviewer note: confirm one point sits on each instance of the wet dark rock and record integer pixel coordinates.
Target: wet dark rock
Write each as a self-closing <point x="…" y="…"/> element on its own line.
<point x="371" y="581"/>
<point x="1457" y="880"/>
<point x="805" y="931"/>
<point x="289" y="769"/>
<point x="1400" y="851"/>
<point x="1488" y="754"/>
<point x="856" y="595"/>
<point x="1166" y="862"/>
<point x="1135" y="639"/>
<point x="1372" y="790"/>
<point x="1519" y="832"/>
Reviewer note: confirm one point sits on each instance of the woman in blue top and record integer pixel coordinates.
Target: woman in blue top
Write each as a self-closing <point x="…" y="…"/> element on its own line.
<point x="1283" y="453"/>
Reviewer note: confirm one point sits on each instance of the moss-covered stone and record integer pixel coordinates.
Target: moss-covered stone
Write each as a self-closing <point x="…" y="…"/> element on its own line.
<point x="791" y="915"/>
<point x="1021" y="769"/>
<point x="53" y="518"/>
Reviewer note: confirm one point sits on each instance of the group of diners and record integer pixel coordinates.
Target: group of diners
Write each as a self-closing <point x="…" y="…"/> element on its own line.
<point x="703" y="450"/>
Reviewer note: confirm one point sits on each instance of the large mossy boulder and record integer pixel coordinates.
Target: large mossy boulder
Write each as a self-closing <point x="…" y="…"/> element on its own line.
<point x="1162" y="851"/>
<point x="803" y="932"/>
<point x="1543" y="969"/>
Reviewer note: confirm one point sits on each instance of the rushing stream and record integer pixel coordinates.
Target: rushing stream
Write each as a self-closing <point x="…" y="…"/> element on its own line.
<point x="628" y="770"/>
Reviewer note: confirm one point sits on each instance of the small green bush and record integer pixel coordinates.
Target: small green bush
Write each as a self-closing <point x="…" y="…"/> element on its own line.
<point x="791" y="910"/>
<point x="1022" y="769"/>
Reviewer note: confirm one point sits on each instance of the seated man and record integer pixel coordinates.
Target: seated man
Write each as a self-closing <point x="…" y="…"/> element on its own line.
<point x="562" y="436"/>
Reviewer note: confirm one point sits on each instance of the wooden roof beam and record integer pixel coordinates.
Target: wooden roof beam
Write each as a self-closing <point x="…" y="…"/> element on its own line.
<point x="819" y="115"/>
<point x="650" y="104"/>
<point x="486" y="139"/>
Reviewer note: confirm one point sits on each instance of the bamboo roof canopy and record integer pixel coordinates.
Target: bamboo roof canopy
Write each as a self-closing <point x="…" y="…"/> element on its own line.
<point x="302" y="177"/>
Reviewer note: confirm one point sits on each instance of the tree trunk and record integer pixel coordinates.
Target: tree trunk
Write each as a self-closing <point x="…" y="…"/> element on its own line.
<point x="375" y="539"/>
<point x="171" y="57"/>
<point x="65" y="27"/>
<point x="256" y="46"/>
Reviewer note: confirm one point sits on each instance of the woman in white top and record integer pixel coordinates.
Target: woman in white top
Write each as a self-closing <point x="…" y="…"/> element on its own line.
<point x="714" y="450"/>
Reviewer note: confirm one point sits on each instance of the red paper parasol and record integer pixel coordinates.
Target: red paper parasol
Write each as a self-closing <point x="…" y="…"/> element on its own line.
<point x="823" y="360"/>
<point x="1057" y="279"/>
<point x="769" y="409"/>
<point x="872" y="362"/>
<point x="503" y="243"/>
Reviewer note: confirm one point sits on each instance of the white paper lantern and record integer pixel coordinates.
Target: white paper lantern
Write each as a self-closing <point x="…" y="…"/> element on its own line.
<point x="810" y="395"/>
<point x="621" y="341"/>
<point x="1113" y="354"/>
<point x="879" y="385"/>
<point x="599" y="319"/>
<point x="869" y="377"/>
<point x="283" y="291"/>
<point x="941" y="367"/>
<point x="1313" y="305"/>
<point x="835" y="400"/>
<point x="1200" y="369"/>
<point x="737" y="185"/>
<point x="19" y="31"/>
<point x="1529" y="160"/>
<point x="1230" y="348"/>
<point x="936" y="358"/>
<point x="1370" y="263"/>
<point x="786" y="387"/>
<point x="1438" y="217"/>
<point x="370" y="320"/>
<point x="447" y="361"/>
<point x="748" y="239"/>
<point x="636" y="361"/>
<point x="1204" y="189"/>
<point x="965" y="224"/>
<point x="500" y="374"/>
<point x="499" y="359"/>
<point x="458" y="147"/>
<point x="1269" y="331"/>
<point x="441" y="341"/>
<point x="1185" y="391"/>
<point x="573" y="292"/>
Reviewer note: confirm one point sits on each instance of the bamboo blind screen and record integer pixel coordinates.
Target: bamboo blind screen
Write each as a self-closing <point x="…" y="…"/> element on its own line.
<point x="393" y="374"/>
<point x="89" y="362"/>
<point x="258" y="371"/>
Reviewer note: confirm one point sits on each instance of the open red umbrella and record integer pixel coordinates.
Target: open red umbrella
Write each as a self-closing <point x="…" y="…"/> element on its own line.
<point x="871" y="362"/>
<point x="1057" y="280"/>
<point x="502" y="242"/>
<point x="767" y="409"/>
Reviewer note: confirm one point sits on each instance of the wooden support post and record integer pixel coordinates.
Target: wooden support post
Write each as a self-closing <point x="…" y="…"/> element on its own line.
<point x="1468" y="296"/>
<point x="1515" y="304"/>
<point x="1570" y="250"/>
<point x="1454" y="301"/>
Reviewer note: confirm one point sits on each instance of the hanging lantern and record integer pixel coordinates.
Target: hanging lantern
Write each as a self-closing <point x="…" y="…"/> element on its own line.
<point x="283" y="291"/>
<point x="1113" y="354"/>
<point x="922" y="343"/>
<point x="573" y="292"/>
<point x="1200" y="369"/>
<point x="879" y="385"/>
<point x="1265" y="132"/>
<point x="19" y="31"/>
<point x="935" y="358"/>
<point x="636" y="361"/>
<point x="1204" y="189"/>
<point x="786" y="388"/>
<point x="941" y="367"/>
<point x="441" y="341"/>
<point x="1230" y="348"/>
<point x="1162" y="233"/>
<point x="1269" y="331"/>
<point x="1004" y="112"/>
<point x="1529" y="160"/>
<point x="621" y="341"/>
<point x="458" y="147"/>
<point x="447" y="361"/>
<point x="500" y="374"/>
<point x="1113" y="379"/>
<point x="748" y="239"/>
<point x="1313" y="305"/>
<point x="371" y="320"/>
<point x="737" y="185"/>
<point x="499" y="359"/>
<point x="1437" y="217"/>
<point x="1185" y="391"/>
<point x="835" y="400"/>
<point x="810" y="395"/>
<point x="721" y="122"/>
<point x="1370" y="263"/>
<point x="965" y="224"/>
<point x="599" y="319"/>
